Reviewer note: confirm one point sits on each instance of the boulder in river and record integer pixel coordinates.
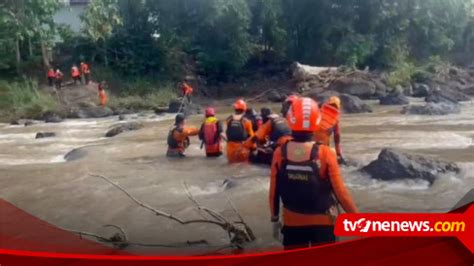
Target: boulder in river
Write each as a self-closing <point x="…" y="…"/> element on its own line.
<point x="394" y="165"/>
<point x="75" y="155"/>
<point x="443" y="108"/>
<point x="354" y="86"/>
<point x="275" y="96"/>
<point x="323" y="97"/>
<point x="394" y="98"/>
<point x="119" y="129"/>
<point x="421" y="90"/>
<point x="42" y="135"/>
<point x="29" y="123"/>
<point x="187" y="108"/>
<point x="52" y="118"/>
<point x="446" y="94"/>
<point x="352" y="104"/>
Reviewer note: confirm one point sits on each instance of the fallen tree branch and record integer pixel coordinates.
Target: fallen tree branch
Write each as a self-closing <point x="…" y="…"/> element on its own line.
<point x="237" y="235"/>
<point x="122" y="243"/>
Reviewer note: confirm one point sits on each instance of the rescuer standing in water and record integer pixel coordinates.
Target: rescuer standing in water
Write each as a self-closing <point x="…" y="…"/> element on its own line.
<point x="306" y="177"/>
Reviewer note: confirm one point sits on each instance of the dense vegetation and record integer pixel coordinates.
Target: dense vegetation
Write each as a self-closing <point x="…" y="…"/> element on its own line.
<point x="221" y="39"/>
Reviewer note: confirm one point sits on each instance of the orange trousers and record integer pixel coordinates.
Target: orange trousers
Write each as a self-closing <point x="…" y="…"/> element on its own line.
<point x="237" y="152"/>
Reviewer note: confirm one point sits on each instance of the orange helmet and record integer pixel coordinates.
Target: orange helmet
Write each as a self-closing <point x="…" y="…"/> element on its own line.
<point x="336" y="101"/>
<point x="304" y="115"/>
<point x="240" y="105"/>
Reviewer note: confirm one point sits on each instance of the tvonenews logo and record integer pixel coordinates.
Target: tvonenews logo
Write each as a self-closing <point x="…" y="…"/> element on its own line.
<point x="364" y="225"/>
<point x="460" y="225"/>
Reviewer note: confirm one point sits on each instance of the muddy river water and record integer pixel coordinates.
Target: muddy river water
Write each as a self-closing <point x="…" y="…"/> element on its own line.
<point x="35" y="177"/>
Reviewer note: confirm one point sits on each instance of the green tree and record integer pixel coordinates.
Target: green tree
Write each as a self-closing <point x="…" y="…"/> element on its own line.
<point x="100" y="19"/>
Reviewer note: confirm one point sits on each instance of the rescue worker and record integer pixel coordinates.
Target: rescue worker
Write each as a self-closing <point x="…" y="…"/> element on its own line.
<point x="256" y="119"/>
<point x="102" y="95"/>
<point x="239" y="129"/>
<point x="75" y="74"/>
<point x="287" y="103"/>
<point x="272" y="134"/>
<point x="187" y="90"/>
<point x="329" y="125"/>
<point x="51" y="77"/>
<point x="178" y="137"/>
<point x="307" y="179"/>
<point x="86" y="73"/>
<point x="210" y="133"/>
<point x="58" y="79"/>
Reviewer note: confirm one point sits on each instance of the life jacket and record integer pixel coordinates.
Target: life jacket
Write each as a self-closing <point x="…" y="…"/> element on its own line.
<point x="175" y="144"/>
<point x="301" y="187"/>
<point x="211" y="136"/>
<point x="280" y="128"/>
<point x="329" y="118"/>
<point x="59" y="75"/>
<point x="236" y="130"/>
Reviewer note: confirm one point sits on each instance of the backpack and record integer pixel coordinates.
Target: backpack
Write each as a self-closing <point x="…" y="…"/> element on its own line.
<point x="235" y="130"/>
<point x="301" y="187"/>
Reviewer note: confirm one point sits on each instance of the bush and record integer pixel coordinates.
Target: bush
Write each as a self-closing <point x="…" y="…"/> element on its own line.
<point x="22" y="99"/>
<point x="401" y="74"/>
<point x="157" y="98"/>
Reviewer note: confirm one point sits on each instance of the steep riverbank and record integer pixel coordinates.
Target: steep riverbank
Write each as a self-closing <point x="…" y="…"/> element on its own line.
<point x="35" y="176"/>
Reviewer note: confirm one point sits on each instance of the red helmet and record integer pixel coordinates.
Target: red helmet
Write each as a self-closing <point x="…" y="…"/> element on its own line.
<point x="303" y="115"/>
<point x="240" y="105"/>
<point x="210" y="112"/>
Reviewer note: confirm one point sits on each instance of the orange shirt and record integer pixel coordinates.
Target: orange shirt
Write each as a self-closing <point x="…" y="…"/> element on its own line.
<point x="51" y="74"/>
<point x="329" y="168"/>
<point x="263" y="133"/>
<point x="187" y="90"/>
<point x="238" y="151"/>
<point x="85" y="68"/>
<point x="75" y="72"/>
<point x="180" y="137"/>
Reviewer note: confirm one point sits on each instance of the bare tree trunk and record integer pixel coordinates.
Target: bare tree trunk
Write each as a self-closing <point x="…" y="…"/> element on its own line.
<point x="106" y="59"/>
<point x="18" y="56"/>
<point x="45" y="55"/>
<point x="30" y="47"/>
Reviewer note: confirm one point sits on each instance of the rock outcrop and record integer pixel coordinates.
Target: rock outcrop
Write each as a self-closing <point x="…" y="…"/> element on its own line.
<point x="393" y="165"/>
<point x="353" y="105"/>
<point x="42" y="135"/>
<point x="119" y="129"/>
<point x="432" y="109"/>
<point x="75" y="155"/>
<point x="394" y="98"/>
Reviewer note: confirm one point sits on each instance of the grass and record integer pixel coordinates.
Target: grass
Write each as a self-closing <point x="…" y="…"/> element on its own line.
<point x="22" y="99"/>
<point x="159" y="97"/>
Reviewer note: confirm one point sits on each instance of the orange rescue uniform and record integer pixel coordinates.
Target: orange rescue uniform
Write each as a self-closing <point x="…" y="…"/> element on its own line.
<point x="237" y="151"/>
<point x="85" y="68"/>
<point x="102" y="98"/>
<point x="186" y="89"/>
<point x="329" y="170"/>
<point x="265" y="131"/>
<point x="329" y="125"/>
<point x="177" y="140"/>
<point x="75" y="72"/>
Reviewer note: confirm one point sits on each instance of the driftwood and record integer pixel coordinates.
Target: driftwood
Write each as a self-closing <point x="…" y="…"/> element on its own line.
<point x="121" y="241"/>
<point x="239" y="232"/>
